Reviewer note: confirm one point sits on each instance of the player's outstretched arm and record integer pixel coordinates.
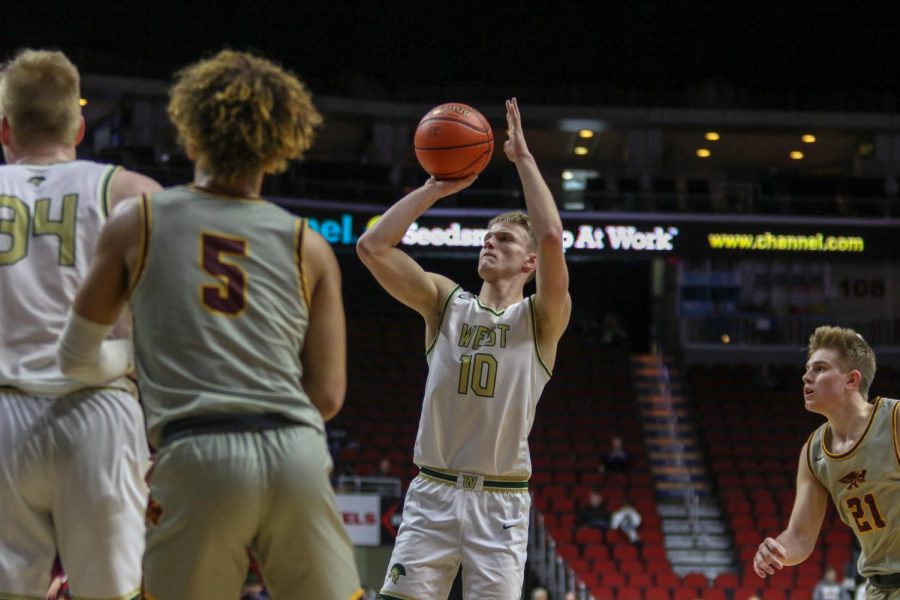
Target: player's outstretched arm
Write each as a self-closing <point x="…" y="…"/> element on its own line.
<point x="796" y="543"/>
<point x="324" y="355"/>
<point x="401" y="276"/>
<point x="553" y="304"/>
<point x="84" y="353"/>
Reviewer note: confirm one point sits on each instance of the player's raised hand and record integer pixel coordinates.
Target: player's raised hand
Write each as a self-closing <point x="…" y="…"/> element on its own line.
<point x="448" y="187"/>
<point x="769" y="556"/>
<point x="515" y="146"/>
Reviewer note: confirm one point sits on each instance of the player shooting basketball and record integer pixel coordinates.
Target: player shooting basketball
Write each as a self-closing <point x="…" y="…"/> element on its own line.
<point x="489" y="357"/>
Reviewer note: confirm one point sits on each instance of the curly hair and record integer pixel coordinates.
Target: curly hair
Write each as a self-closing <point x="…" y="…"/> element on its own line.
<point x="240" y="113"/>
<point x="39" y="94"/>
<point x="853" y="351"/>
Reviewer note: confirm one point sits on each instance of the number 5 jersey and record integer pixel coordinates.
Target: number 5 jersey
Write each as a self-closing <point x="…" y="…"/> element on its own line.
<point x="221" y="308"/>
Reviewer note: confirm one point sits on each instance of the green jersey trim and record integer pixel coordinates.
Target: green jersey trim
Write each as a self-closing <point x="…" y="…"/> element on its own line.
<point x="437" y="331"/>
<point x="103" y="191"/>
<point x="537" y="348"/>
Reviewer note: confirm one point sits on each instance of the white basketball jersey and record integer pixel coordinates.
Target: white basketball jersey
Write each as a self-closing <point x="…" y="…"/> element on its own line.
<point x="485" y="377"/>
<point x="50" y="217"/>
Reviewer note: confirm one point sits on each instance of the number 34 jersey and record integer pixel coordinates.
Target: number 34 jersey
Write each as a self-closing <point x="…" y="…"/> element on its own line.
<point x="485" y="377"/>
<point x="50" y="217"/>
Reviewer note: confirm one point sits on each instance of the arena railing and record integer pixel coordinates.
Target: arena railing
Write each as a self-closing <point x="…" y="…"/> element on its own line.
<point x="788" y="332"/>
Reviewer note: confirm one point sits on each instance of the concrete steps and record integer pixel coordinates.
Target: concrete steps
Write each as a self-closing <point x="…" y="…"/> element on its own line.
<point x="703" y="545"/>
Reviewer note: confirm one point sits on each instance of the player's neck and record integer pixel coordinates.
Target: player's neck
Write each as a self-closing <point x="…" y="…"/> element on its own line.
<point x="40" y="155"/>
<point x="241" y="187"/>
<point x="500" y="294"/>
<point x="849" y="421"/>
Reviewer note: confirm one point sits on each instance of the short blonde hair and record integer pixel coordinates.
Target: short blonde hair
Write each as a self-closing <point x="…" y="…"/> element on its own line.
<point x="517" y="217"/>
<point x="39" y="94"/>
<point x="242" y="113"/>
<point x="853" y="352"/>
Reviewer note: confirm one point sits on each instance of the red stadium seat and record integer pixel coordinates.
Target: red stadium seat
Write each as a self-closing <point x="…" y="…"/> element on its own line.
<point x="588" y="535"/>
<point x="657" y="593"/>
<point x="695" y="581"/>
<point x="629" y="593"/>
<point x="745" y="592"/>
<point x="726" y="581"/>
<point x="595" y="552"/>
<point x="631" y="567"/>
<point x="613" y="580"/>
<point x="641" y="580"/>
<point x="625" y="552"/>
<point x="667" y="579"/>
<point x="685" y="594"/>
<point x="653" y="553"/>
<point x="603" y="593"/>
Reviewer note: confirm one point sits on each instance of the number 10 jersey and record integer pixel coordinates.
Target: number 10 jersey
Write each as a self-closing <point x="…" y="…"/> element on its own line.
<point x="485" y="377"/>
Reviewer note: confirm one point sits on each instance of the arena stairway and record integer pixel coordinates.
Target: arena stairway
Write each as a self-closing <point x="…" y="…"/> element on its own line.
<point x="697" y="539"/>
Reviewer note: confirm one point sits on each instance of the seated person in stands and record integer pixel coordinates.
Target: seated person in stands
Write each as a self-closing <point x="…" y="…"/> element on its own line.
<point x="627" y="519"/>
<point x="539" y="593"/>
<point x="384" y="467"/>
<point x="617" y="458"/>
<point x="829" y="588"/>
<point x="595" y="514"/>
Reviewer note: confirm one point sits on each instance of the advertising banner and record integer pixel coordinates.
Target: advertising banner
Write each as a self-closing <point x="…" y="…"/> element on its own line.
<point x="459" y="230"/>
<point x="362" y="517"/>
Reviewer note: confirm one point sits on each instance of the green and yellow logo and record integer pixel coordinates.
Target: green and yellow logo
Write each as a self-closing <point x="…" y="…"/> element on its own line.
<point x="396" y="571"/>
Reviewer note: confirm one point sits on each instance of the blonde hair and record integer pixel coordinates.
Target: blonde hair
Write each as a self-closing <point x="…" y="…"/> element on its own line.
<point x="242" y="113"/>
<point x="517" y="217"/>
<point x="39" y="94"/>
<point x="853" y="352"/>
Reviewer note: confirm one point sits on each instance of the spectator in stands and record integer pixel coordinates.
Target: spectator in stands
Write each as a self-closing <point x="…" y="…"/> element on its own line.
<point x="384" y="467"/>
<point x="626" y="519"/>
<point x="829" y="588"/>
<point x="850" y="458"/>
<point x="594" y="514"/>
<point x="539" y="593"/>
<point x="617" y="458"/>
<point x="570" y="596"/>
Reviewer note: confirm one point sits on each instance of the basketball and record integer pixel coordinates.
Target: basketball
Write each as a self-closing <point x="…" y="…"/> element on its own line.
<point x="453" y="141"/>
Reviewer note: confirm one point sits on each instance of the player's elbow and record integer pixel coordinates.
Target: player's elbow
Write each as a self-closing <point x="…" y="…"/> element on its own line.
<point x="329" y="405"/>
<point x="553" y="238"/>
<point x="326" y="396"/>
<point x="366" y="248"/>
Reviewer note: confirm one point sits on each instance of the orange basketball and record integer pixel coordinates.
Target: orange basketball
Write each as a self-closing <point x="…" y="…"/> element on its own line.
<point x="454" y="140"/>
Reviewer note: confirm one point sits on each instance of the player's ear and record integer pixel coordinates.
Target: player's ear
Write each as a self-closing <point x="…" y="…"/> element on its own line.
<point x="5" y="135"/>
<point x="80" y="135"/>
<point x="530" y="263"/>
<point x="853" y="379"/>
